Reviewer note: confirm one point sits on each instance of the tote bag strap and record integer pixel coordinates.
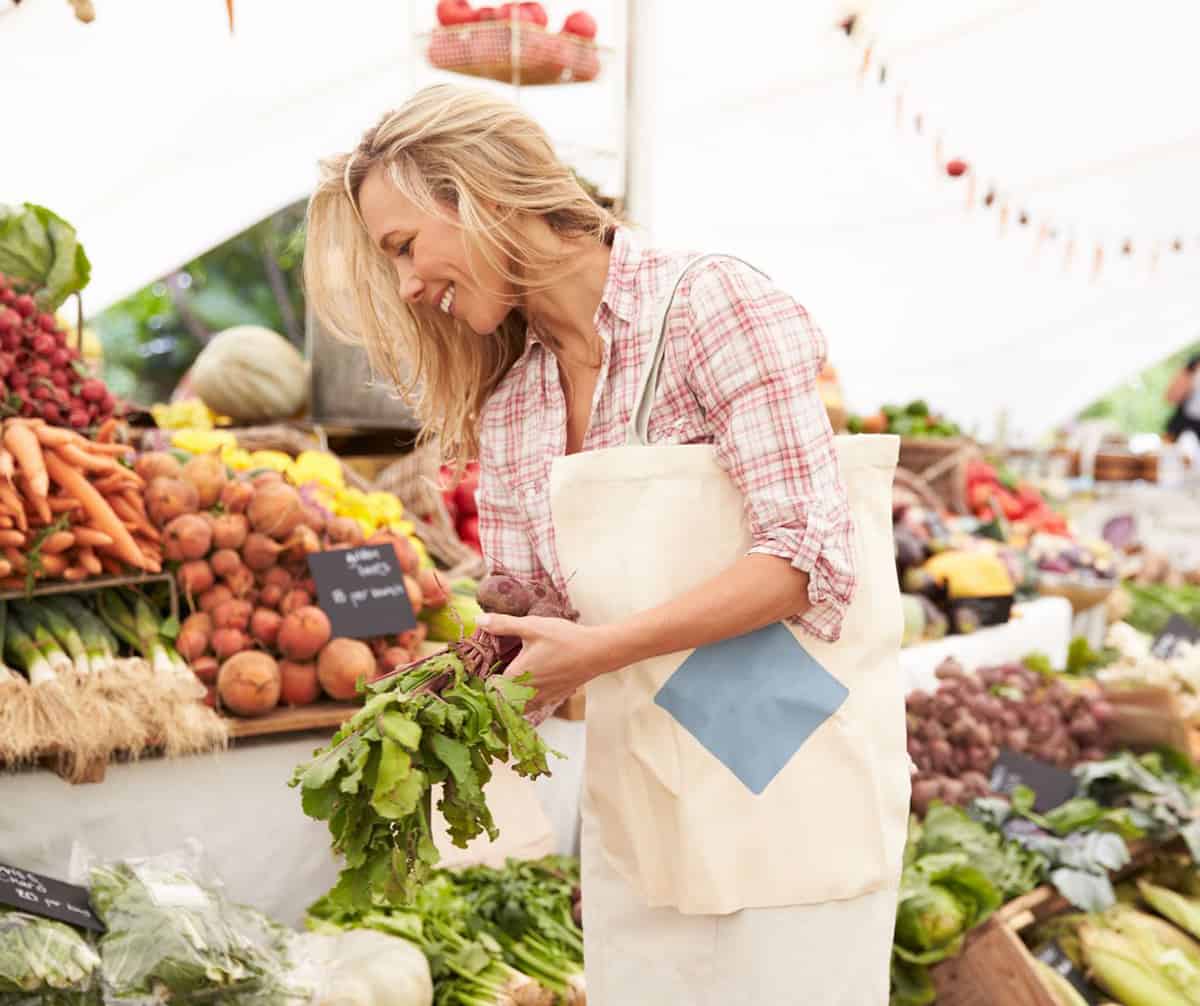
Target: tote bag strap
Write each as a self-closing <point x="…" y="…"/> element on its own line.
<point x="637" y="433"/>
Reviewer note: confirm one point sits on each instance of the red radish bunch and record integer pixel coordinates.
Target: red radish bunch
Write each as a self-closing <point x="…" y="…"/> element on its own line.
<point x="40" y="374"/>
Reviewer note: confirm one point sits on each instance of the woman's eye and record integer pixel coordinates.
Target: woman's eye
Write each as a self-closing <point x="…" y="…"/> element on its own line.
<point x="404" y="249"/>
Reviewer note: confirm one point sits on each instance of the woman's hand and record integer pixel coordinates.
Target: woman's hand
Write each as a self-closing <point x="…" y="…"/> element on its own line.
<point x="560" y="656"/>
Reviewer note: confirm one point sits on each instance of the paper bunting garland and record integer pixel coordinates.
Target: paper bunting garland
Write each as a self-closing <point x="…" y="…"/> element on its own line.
<point x="960" y="170"/>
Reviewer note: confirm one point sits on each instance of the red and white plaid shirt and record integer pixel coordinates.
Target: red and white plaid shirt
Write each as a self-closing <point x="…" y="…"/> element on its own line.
<point x="740" y="372"/>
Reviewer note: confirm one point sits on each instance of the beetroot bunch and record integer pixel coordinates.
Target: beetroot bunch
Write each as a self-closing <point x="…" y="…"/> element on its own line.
<point x="41" y="376"/>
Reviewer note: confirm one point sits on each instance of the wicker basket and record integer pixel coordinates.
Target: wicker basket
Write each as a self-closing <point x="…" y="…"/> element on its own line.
<point x="906" y="481"/>
<point x="941" y="462"/>
<point x="514" y="53"/>
<point x="414" y="478"/>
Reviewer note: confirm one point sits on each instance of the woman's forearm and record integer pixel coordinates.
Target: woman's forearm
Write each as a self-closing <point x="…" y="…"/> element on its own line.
<point x="755" y="591"/>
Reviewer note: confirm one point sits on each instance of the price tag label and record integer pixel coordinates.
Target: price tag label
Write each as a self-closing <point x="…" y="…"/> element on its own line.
<point x="51" y="899"/>
<point x="1177" y="630"/>
<point x="362" y="591"/>
<point x="1051" y="784"/>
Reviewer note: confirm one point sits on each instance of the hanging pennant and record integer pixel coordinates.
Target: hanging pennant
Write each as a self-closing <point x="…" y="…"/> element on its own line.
<point x="1097" y="262"/>
<point x="229" y="11"/>
<point x="1069" y="254"/>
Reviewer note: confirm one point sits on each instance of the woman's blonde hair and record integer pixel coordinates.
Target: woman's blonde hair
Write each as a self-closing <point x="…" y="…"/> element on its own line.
<point x="446" y="149"/>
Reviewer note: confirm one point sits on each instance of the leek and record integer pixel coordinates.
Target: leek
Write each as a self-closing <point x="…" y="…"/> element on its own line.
<point x="24" y="654"/>
<point x="66" y="635"/>
<point x="32" y="629"/>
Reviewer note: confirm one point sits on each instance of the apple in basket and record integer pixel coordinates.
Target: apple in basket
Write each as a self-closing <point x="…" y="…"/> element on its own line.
<point x="452" y="12"/>
<point x="582" y="24"/>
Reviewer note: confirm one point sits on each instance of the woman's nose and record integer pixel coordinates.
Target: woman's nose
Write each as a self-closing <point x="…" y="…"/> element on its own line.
<point x="412" y="287"/>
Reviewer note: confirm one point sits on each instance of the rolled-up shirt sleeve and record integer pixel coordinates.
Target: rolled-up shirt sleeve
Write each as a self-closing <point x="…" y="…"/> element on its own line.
<point x="754" y="357"/>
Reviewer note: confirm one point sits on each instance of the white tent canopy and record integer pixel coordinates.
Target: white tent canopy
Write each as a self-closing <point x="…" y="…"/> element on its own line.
<point x="752" y="133"/>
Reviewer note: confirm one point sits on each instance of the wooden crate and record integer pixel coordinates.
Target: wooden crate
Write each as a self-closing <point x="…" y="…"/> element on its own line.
<point x="1149" y="718"/>
<point x="995" y="967"/>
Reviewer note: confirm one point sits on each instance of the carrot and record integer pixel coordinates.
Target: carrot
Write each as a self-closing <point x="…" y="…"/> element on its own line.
<point x="52" y="565"/>
<point x="125" y="508"/>
<point x="38" y="504"/>
<point x="56" y="436"/>
<point x="110" y="485"/>
<point x="114" y="449"/>
<point x="73" y="574"/>
<point x="63" y="504"/>
<point x="23" y="443"/>
<point x="7" y="467"/>
<point x="15" y="559"/>
<point x="100" y="514"/>
<point x="11" y="502"/>
<point x="60" y="541"/>
<point x="14" y="538"/>
<point x="5" y="568"/>
<point x="90" y="561"/>
<point x="12" y="583"/>
<point x="6" y="521"/>
<point x="107" y="431"/>
<point x="86" y="460"/>
<point x="112" y="566"/>
<point x="89" y="537"/>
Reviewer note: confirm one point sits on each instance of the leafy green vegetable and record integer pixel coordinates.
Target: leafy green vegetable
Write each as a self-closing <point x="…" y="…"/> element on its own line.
<point x="1005" y="863"/>
<point x="434" y="724"/>
<point x="171" y="937"/>
<point x="1155" y="603"/>
<point x="46" y="958"/>
<point x="41" y="248"/>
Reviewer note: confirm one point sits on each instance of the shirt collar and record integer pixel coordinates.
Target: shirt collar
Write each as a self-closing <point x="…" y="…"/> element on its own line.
<point x="619" y="286"/>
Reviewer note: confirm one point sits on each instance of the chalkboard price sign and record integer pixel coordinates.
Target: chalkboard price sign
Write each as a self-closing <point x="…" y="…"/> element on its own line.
<point x="361" y="589"/>
<point x="51" y="899"/>
<point x="1051" y="784"/>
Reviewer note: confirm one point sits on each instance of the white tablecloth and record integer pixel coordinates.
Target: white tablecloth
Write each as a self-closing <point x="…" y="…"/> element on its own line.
<point x="1041" y="626"/>
<point x="238" y="805"/>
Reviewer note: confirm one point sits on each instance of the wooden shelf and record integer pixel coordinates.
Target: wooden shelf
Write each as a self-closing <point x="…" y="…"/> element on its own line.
<point x="326" y="716"/>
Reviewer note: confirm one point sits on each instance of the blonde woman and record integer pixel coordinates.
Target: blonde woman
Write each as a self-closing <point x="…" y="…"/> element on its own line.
<point x="652" y="446"/>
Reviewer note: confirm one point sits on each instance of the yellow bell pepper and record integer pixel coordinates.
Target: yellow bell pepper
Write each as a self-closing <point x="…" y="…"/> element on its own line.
<point x="275" y="460"/>
<point x="971" y="574"/>
<point x="317" y="466"/>
<point x="238" y="459"/>
<point x="203" y="441"/>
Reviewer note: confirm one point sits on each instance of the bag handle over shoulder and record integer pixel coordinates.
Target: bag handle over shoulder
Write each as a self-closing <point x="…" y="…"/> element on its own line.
<point x="637" y="433"/>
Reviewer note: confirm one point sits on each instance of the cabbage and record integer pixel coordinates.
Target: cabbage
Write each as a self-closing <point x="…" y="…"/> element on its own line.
<point x="40" y="248"/>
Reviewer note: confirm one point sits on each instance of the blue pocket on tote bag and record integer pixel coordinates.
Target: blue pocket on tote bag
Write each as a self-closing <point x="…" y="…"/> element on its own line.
<point x="752" y="701"/>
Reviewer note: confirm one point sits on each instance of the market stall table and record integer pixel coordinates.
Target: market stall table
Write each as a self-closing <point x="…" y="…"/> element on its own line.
<point x="1041" y="626"/>
<point x="248" y="821"/>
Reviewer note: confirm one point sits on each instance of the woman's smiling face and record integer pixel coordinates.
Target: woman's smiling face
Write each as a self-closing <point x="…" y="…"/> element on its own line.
<point x="436" y="268"/>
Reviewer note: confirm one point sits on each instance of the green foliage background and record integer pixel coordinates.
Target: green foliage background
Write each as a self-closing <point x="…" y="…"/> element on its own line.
<point x="151" y="338"/>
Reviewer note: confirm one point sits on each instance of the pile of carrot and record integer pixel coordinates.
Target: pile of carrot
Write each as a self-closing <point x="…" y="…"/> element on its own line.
<point x="69" y="508"/>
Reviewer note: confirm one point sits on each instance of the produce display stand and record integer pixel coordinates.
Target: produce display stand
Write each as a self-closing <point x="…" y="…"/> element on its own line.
<point x="1041" y="626"/>
<point x="326" y="716"/>
<point x="1149" y="718"/>
<point x="51" y="588"/>
<point x="995" y="968"/>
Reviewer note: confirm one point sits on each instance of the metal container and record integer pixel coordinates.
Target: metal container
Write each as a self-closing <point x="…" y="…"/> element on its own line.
<point x="343" y="394"/>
